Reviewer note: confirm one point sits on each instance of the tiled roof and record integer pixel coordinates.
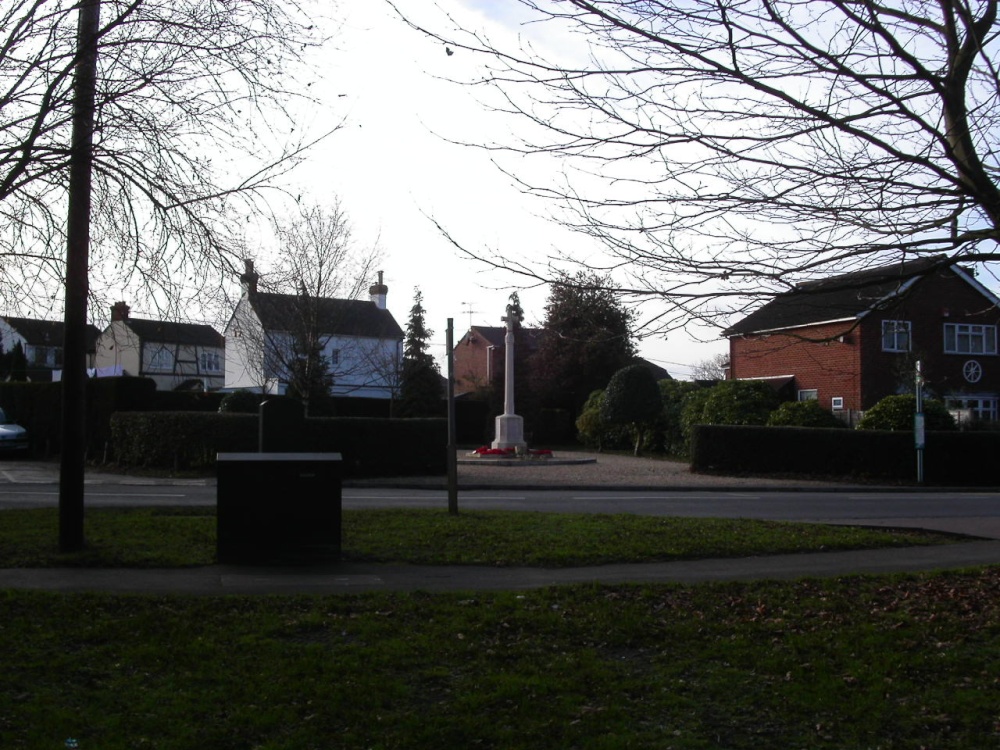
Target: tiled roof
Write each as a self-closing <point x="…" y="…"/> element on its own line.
<point x="341" y="317"/>
<point x="849" y="295"/>
<point x="185" y="334"/>
<point x="496" y="335"/>
<point x="48" y="332"/>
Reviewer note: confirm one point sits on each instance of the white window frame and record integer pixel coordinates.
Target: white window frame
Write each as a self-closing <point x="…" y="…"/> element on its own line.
<point x="210" y="362"/>
<point x="334" y="358"/>
<point x="986" y="408"/>
<point x="160" y="355"/>
<point x="837" y="403"/>
<point x="961" y="338"/>
<point x="892" y="332"/>
<point x="809" y="394"/>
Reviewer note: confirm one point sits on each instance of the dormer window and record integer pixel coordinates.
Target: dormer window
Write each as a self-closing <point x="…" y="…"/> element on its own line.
<point x="895" y="335"/>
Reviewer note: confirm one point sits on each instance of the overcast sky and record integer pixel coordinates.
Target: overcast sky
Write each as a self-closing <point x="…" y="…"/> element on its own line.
<point x="392" y="167"/>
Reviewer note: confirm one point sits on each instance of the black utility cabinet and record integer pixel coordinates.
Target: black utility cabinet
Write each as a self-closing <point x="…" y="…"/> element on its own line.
<point x="278" y="507"/>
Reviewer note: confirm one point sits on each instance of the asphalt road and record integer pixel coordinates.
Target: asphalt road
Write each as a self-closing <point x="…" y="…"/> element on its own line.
<point x="972" y="513"/>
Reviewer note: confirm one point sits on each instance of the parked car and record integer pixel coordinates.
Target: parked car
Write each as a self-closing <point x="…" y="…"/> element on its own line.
<point x="13" y="437"/>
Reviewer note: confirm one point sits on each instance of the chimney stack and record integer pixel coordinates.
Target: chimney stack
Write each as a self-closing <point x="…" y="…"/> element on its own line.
<point x="249" y="277"/>
<point x="119" y="311"/>
<point x="377" y="292"/>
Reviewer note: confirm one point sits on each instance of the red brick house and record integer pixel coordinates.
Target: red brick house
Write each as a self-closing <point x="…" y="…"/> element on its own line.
<point x="479" y="356"/>
<point x="850" y="340"/>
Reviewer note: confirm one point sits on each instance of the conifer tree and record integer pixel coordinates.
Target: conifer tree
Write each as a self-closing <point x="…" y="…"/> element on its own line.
<point x="18" y="363"/>
<point x="420" y="387"/>
<point x="586" y="339"/>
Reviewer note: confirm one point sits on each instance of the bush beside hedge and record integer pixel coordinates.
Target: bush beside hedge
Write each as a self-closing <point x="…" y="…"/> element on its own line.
<point x="950" y="459"/>
<point x="369" y="447"/>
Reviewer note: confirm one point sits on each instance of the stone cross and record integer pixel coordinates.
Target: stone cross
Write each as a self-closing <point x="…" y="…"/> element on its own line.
<point x="509" y="426"/>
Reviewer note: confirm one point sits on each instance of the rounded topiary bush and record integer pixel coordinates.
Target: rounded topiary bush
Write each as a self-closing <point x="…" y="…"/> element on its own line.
<point x="803" y="414"/>
<point x="241" y="402"/>
<point x="632" y="400"/>
<point x="896" y="413"/>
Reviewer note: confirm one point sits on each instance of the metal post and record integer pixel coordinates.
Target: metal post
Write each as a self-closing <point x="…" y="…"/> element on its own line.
<point x="919" y="425"/>
<point x="74" y="377"/>
<point x="452" y="447"/>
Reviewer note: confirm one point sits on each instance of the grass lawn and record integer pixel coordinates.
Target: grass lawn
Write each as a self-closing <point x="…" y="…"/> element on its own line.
<point x="856" y="662"/>
<point x="168" y="537"/>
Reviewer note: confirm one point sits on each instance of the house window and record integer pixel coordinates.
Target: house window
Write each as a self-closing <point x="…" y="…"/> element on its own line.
<point x="985" y="409"/>
<point x="962" y="338"/>
<point x="161" y="359"/>
<point x="895" y="335"/>
<point x="809" y="394"/>
<point x="334" y="357"/>
<point x="837" y="403"/>
<point x="210" y="362"/>
<point x="43" y="356"/>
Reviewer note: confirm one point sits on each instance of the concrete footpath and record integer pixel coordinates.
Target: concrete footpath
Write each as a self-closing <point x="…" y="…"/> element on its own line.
<point x="617" y="472"/>
<point x="347" y="578"/>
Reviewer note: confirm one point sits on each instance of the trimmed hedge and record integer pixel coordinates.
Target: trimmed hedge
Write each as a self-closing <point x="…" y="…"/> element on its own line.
<point x="369" y="447"/>
<point x="954" y="459"/>
<point x="179" y="440"/>
<point x="38" y="407"/>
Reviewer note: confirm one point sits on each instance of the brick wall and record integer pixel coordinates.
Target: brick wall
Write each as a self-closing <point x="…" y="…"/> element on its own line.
<point x="824" y="358"/>
<point x="936" y="301"/>
<point x="846" y="359"/>
<point x="476" y="363"/>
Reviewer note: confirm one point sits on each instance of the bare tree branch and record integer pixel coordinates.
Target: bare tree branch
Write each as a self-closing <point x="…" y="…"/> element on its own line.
<point x="195" y="124"/>
<point x="718" y="151"/>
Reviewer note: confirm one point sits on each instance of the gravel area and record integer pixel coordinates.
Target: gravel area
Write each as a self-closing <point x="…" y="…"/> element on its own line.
<point x="600" y="470"/>
<point x="589" y="470"/>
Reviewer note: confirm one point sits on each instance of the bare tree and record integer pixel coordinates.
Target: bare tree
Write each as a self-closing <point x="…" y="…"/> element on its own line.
<point x="316" y="251"/>
<point x="722" y="150"/>
<point x="128" y="115"/>
<point x="713" y="368"/>
<point x="307" y="325"/>
<point x="192" y="123"/>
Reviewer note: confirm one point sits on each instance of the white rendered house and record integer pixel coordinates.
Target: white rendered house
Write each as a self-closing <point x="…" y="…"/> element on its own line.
<point x="189" y="356"/>
<point x="359" y="341"/>
<point x="42" y="344"/>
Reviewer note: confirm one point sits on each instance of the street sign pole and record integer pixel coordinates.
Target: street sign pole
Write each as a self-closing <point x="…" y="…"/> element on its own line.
<point x="918" y="425"/>
<point x="452" y="447"/>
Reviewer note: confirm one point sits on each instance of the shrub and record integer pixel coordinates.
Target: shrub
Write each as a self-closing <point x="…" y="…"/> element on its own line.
<point x="803" y="414"/>
<point x="633" y="399"/>
<point x="595" y="432"/>
<point x="675" y="395"/>
<point x="241" y="402"/>
<point x="896" y="413"/>
<point x="691" y="413"/>
<point x="734" y="402"/>
<point x="590" y="427"/>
